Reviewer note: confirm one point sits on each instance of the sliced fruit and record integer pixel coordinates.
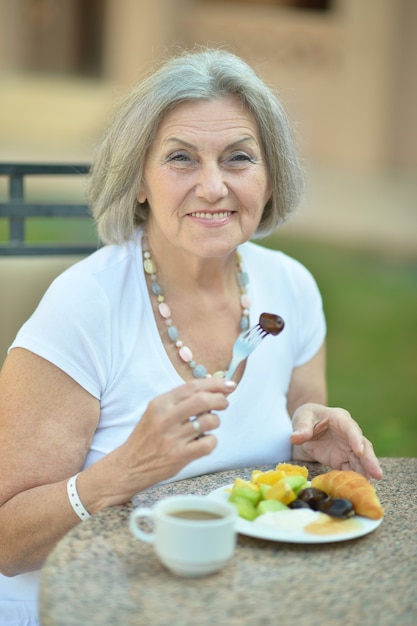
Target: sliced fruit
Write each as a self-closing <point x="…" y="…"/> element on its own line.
<point x="270" y="506"/>
<point x="281" y="491"/>
<point x="270" y="477"/>
<point x="264" y="490"/>
<point x="297" y="483"/>
<point x="244" y="489"/>
<point x="292" y="470"/>
<point x="244" y="508"/>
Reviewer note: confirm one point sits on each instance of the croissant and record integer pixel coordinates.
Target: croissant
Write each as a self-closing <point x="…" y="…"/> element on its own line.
<point x="354" y="487"/>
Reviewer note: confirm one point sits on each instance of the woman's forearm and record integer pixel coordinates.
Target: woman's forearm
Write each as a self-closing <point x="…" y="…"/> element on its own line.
<point x="34" y="520"/>
<point x="31" y="523"/>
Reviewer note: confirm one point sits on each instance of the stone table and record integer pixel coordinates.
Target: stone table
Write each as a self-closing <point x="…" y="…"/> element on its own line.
<point x="100" y="574"/>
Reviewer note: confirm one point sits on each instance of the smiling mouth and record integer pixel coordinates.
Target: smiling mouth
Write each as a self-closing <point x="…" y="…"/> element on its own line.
<point x="210" y="216"/>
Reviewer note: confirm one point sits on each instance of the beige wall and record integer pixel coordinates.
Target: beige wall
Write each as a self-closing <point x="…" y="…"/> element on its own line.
<point x="404" y="129"/>
<point x="338" y="73"/>
<point x="137" y="32"/>
<point x="348" y="78"/>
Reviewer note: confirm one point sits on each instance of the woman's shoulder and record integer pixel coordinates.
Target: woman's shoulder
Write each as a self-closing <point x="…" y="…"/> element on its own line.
<point x="268" y="267"/>
<point x="105" y="257"/>
<point x="103" y="267"/>
<point x="263" y="257"/>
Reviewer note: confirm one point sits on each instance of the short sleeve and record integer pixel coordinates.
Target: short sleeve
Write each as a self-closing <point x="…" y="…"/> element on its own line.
<point x="69" y="329"/>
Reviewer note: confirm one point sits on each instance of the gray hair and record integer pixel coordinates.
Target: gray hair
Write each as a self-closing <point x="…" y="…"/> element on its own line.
<point x="207" y="74"/>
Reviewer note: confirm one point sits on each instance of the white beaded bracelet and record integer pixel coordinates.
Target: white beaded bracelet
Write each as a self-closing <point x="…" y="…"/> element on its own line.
<point x="74" y="499"/>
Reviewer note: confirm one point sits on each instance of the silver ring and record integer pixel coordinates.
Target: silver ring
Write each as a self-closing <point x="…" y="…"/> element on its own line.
<point x="197" y="427"/>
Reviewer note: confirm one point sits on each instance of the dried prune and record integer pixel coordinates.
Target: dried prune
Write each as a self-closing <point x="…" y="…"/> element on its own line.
<point x="271" y="323"/>
<point x="313" y="497"/>
<point x="336" y="507"/>
<point x="299" y="504"/>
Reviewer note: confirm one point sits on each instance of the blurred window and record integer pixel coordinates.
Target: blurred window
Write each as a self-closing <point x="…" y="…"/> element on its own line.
<point x="61" y="36"/>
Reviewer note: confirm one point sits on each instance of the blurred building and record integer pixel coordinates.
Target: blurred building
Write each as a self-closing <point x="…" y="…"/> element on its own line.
<point x="345" y="69"/>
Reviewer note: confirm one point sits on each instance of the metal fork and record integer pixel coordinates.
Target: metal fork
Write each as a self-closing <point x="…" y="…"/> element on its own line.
<point x="244" y="345"/>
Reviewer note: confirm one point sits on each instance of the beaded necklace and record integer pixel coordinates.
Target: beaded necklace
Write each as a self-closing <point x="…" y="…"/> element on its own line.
<point x="184" y="352"/>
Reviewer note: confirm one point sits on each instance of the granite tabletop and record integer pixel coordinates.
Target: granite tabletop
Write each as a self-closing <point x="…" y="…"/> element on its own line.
<point x="100" y="574"/>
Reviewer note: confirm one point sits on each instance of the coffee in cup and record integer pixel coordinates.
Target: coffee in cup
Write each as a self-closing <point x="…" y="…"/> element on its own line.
<point x="192" y="535"/>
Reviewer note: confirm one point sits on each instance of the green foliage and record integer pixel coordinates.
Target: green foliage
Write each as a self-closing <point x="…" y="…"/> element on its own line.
<point x="54" y="229"/>
<point x="370" y="302"/>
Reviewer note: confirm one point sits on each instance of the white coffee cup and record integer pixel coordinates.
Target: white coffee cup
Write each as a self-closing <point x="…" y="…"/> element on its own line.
<point x="193" y="535"/>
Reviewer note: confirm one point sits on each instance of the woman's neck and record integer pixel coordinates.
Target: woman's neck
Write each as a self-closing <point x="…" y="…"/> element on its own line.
<point x="188" y="272"/>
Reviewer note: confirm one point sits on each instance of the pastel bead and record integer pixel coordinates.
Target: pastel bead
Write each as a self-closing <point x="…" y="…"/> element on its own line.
<point x="164" y="310"/>
<point x="149" y="266"/>
<point x="173" y="333"/>
<point x="157" y="289"/>
<point x="199" y="371"/>
<point x="243" y="279"/>
<point x="244" y="323"/>
<point x="245" y="301"/>
<point x="186" y="354"/>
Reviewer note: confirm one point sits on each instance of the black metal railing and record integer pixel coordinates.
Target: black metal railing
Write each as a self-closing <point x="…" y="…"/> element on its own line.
<point x="17" y="210"/>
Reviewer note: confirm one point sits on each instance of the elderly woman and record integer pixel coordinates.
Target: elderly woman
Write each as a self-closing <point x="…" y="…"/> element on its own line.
<point x="102" y="385"/>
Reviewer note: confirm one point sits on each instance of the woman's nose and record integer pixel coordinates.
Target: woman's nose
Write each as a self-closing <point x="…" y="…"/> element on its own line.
<point x="211" y="185"/>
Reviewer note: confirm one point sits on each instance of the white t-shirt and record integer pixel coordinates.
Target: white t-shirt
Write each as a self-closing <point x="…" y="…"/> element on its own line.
<point x="96" y="323"/>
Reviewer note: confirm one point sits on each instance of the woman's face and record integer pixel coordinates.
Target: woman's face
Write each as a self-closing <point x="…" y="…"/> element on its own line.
<point x="205" y="177"/>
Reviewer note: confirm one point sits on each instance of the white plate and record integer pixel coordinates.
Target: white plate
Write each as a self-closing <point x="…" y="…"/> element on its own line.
<point x="364" y="527"/>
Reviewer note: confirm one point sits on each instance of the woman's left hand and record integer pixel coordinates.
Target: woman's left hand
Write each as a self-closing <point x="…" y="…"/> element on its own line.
<point x="330" y="436"/>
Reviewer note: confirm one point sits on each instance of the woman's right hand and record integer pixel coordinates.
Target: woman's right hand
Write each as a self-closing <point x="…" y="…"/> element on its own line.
<point x="165" y="439"/>
<point x="47" y="422"/>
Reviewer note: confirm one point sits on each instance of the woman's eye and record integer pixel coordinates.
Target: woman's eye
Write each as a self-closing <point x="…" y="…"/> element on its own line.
<point x="179" y="157"/>
<point x="241" y="158"/>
